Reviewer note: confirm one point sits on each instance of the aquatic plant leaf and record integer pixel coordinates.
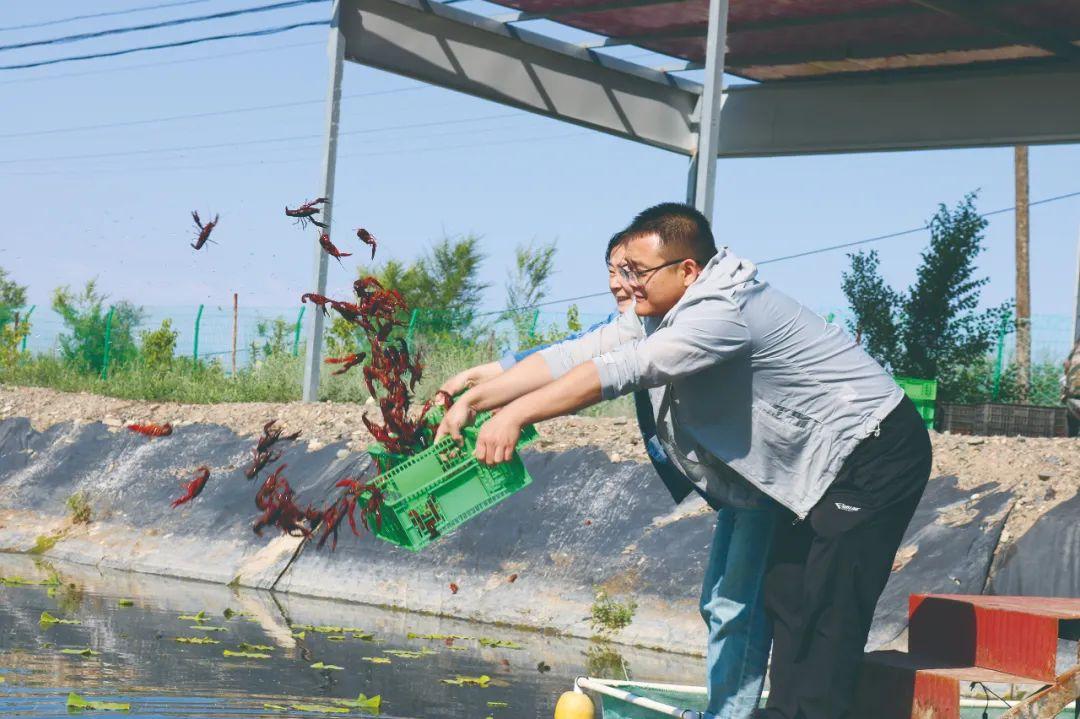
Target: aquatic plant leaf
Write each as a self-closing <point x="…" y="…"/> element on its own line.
<point x="322" y="708"/>
<point x="328" y="667"/>
<point x="125" y="603"/>
<point x="202" y="628"/>
<point x="335" y="638"/>
<point x="303" y="627"/>
<point x="362" y="702"/>
<point x="403" y="653"/>
<point x="376" y="660"/>
<point x="2" y="679"/>
<point x="324" y="629"/>
<point x="438" y="637"/>
<point x="460" y="681"/>
<point x="300" y="635"/>
<point x="498" y="705"/>
<point x="245" y="647"/>
<point x="77" y="703"/>
<point x="244" y="655"/>
<point x="196" y="640"/>
<point x="499" y="643"/>
<point x="275" y="707"/>
<point x="364" y="636"/>
<point x="200" y="617"/>
<point x="47" y="620"/>
<point x="81" y="651"/>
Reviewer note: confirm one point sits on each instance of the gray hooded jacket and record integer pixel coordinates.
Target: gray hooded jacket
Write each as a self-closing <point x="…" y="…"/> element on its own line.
<point x="742" y="376"/>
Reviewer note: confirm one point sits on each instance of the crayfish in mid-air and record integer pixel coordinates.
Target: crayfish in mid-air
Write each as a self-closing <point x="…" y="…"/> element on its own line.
<point x="347" y="362"/>
<point x="204" y="230"/>
<point x="368" y="239"/>
<point x="275" y="499"/>
<point x="262" y="455"/>
<point x="331" y="249"/>
<point x="193" y="488"/>
<point x="306" y="213"/>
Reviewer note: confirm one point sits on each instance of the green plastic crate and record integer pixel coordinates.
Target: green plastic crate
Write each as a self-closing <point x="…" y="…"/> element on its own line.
<point x="442" y="487"/>
<point x="923" y="392"/>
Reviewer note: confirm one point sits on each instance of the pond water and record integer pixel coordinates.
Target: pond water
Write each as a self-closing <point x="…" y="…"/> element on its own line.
<point x="130" y="624"/>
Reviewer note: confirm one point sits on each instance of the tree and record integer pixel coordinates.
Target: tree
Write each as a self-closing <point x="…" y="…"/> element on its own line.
<point x="934" y="329"/>
<point x="443" y="283"/>
<point x="86" y="317"/>
<point x="12" y="294"/>
<point x="528" y="287"/>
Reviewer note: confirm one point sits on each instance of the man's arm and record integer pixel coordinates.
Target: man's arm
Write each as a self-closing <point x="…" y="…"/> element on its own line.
<point x="704" y="335"/>
<point x="471" y="377"/>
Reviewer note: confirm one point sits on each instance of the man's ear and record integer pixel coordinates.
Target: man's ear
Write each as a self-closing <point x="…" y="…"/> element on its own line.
<point x="690" y="271"/>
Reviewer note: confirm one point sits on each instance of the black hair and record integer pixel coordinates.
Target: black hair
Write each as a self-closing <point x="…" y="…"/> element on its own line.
<point x="678" y="226"/>
<point x="614" y="242"/>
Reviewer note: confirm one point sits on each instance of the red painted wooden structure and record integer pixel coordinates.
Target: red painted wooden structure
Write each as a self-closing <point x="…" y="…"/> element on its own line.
<point x="955" y="640"/>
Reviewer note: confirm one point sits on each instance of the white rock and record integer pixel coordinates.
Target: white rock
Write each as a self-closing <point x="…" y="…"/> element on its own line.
<point x="343" y="453"/>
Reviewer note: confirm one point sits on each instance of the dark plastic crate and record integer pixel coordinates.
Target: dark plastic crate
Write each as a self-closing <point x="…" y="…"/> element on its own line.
<point x="1004" y="419"/>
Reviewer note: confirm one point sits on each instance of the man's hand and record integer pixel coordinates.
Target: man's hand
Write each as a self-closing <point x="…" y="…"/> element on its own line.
<point x="458" y="416"/>
<point x="498" y="438"/>
<point x="471" y="377"/>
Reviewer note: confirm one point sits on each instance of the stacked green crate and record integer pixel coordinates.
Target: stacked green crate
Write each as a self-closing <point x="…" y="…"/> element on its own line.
<point x="923" y="392"/>
<point x="441" y="487"/>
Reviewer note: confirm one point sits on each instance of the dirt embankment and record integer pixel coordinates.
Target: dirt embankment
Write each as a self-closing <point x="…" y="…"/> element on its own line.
<point x="1040" y="473"/>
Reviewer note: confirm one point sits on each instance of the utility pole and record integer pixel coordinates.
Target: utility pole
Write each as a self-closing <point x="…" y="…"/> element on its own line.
<point x="1023" y="275"/>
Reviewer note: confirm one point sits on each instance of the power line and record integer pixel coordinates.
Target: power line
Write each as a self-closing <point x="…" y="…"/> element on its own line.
<point x="162" y="46"/>
<point x="269" y="140"/>
<point x="215" y="113"/>
<point x="140" y="66"/>
<point x="110" y="13"/>
<point x="157" y="25"/>
<point x="912" y="231"/>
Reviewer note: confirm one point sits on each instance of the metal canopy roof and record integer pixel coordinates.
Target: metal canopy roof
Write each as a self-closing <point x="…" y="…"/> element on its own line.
<point x="828" y="76"/>
<point x="783" y="39"/>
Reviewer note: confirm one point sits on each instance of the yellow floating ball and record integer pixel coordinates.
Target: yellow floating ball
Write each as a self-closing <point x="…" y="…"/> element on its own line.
<point x="574" y="705"/>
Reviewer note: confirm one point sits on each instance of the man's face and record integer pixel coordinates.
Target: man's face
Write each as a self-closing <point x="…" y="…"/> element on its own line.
<point x="619" y="289"/>
<point x="661" y="279"/>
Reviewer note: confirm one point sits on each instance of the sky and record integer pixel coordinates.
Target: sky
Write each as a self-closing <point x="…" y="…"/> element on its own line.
<point x="416" y="163"/>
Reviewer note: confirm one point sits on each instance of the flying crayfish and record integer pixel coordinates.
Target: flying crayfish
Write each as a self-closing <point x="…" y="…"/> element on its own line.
<point x="347" y="362"/>
<point x="204" y="230"/>
<point x="368" y="239"/>
<point x="151" y="430"/>
<point x="306" y="212"/>
<point x="331" y="249"/>
<point x="262" y="455"/>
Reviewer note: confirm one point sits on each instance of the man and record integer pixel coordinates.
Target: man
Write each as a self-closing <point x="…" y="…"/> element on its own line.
<point x="731" y="603"/>
<point x="1070" y="394"/>
<point x="755" y="393"/>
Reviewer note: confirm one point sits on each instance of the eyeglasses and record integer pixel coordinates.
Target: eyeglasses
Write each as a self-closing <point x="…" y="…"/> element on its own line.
<point x="640" y="277"/>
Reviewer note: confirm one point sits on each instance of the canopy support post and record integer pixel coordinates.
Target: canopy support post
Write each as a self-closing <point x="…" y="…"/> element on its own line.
<point x="336" y="51"/>
<point x="702" y="176"/>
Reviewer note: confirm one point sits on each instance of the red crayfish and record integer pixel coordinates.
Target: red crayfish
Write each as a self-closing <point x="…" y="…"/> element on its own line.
<point x="368" y="239"/>
<point x="347" y="362"/>
<point x="152" y="430"/>
<point x="306" y="212"/>
<point x="331" y="249"/>
<point x="317" y="300"/>
<point x="204" y="230"/>
<point x="262" y="455"/>
<point x="275" y="499"/>
<point x="193" y="488"/>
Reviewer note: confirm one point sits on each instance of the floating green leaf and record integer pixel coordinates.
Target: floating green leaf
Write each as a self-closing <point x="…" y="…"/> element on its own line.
<point x="322" y="708"/>
<point x="275" y="707"/>
<point x="363" y="635"/>
<point x="77" y="703"/>
<point x="439" y="637"/>
<point x="2" y="679"/>
<point x="125" y="603"/>
<point x="83" y="651"/>
<point x="303" y="627"/>
<point x="244" y="655"/>
<point x="328" y="667"/>
<point x="327" y="629"/>
<point x="362" y="702"/>
<point x="245" y="647"/>
<point x="300" y="635"/>
<point x="498" y="705"/>
<point x="200" y="617"/>
<point x="196" y="640"/>
<point x="403" y="653"/>
<point x="335" y="638"/>
<point x="48" y="620"/>
<point x="460" y="681"/>
<point x="202" y="628"/>
<point x="500" y="643"/>
<point x="376" y="660"/>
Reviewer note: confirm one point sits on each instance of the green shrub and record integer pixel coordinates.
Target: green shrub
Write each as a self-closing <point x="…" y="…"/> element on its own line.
<point x="159" y="346"/>
<point x="13" y="330"/>
<point x="85" y="316"/>
<point x="608" y="616"/>
<point x="79" y="508"/>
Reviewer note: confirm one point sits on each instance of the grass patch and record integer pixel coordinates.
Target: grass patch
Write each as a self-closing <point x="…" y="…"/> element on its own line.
<point x="44" y="543"/>
<point x="608" y="615"/>
<point x="78" y="508"/>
